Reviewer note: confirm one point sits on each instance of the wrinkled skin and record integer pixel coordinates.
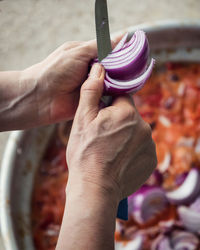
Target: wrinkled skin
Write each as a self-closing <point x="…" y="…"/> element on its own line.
<point x="111" y="147"/>
<point x="60" y="77"/>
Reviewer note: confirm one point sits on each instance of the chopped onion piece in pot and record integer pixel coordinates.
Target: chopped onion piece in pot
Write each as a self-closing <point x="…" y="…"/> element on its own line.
<point x="188" y="191"/>
<point x="164" y="165"/>
<point x="182" y="240"/>
<point x="146" y="203"/>
<point x="189" y="218"/>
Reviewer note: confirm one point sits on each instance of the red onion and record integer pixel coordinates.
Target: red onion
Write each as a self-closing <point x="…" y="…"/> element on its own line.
<point x="189" y="218"/>
<point x="195" y="206"/>
<point x="181" y="178"/>
<point x="181" y="240"/>
<point x="126" y="66"/>
<point x="156" y="179"/>
<point x="161" y="243"/>
<point x="164" y="165"/>
<point x="177" y="240"/>
<point x="146" y="203"/>
<point x="188" y="191"/>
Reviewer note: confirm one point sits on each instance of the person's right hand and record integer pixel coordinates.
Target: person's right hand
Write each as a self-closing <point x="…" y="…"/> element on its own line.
<point x="110" y="149"/>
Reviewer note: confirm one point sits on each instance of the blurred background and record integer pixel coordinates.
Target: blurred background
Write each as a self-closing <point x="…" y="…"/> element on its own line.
<point x="31" y="29"/>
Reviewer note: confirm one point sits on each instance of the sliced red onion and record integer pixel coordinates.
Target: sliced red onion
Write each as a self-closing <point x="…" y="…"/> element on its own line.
<point x="135" y="244"/>
<point x="165" y="121"/>
<point x="182" y="240"/>
<point x="189" y="218"/>
<point x="188" y="191"/>
<point x="181" y="178"/>
<point x="118" y="87"/>
<point x="146" y="203"/>
<point x="121" y="44"/>
<point x="195" y="206"/>
<point x="178" y="240"/>
<point x="162" y="242"/>
<point x="156" y="179"/>
<point x="164" y="165"/>
<point x="126" y="66"/>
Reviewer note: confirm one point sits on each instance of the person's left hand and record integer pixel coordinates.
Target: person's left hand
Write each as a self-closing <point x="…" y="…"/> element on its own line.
<point x="59" y="78"/>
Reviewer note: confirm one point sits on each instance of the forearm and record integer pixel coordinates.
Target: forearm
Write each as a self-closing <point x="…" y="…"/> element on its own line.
<point x="19" y="104"/>
<point x="89" y="218"/>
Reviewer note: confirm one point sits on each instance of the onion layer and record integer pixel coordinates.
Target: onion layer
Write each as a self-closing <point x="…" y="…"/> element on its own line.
<point x="126" y="66"/>
<point x="189" y="218"/>
<point x="146" y="203"/>
<point x="178" y="240"/>
<point x="188" y="191"/>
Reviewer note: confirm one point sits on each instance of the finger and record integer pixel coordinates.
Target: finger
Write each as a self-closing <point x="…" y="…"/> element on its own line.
<point x="70" y="45"/>
<point x="65" y="46"/>
<point x="89" y="49"/>
<point x="123" y="101"/>
<point x="91" y="92"/>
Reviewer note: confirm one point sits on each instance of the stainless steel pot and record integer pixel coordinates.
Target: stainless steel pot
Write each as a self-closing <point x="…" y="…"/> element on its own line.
<point x="169" y="41"/>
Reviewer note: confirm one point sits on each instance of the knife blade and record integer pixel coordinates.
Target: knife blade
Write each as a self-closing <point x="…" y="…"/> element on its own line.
<point x="104" y="48"/>
<point x="102" y="29"/>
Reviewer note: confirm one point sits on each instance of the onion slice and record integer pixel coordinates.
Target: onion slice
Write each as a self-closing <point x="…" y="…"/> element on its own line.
<point x="113" y="86"/>
<point x="184" y="240"/>
<point x="188" y="191"/>
<point x="146" y="203"/>
<point x="177" y="240"/>
<point x="126" y="66"/>
<point x="189" y="218"/>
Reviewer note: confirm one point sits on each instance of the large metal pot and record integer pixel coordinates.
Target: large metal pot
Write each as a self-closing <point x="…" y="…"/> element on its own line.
<point x="169" y="40"/>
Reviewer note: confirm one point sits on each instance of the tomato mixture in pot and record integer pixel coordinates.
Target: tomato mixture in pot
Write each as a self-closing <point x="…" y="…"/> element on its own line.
<point x="165" y="212"/>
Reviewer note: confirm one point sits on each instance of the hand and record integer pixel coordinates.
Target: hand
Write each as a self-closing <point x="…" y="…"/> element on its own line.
<point x="59" y="78"/>
<point x="109" y="149"/>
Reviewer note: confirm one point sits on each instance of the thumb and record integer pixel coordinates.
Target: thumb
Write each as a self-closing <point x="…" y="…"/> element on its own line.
<point x="91" y="92"/>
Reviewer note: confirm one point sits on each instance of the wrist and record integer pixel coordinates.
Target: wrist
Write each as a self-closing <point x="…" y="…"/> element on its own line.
<point x="91" y="191"/>
<point x="31" y="79"/>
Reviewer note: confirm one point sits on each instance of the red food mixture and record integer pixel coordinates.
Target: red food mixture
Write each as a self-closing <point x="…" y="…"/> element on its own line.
<point x="170" y="103"/>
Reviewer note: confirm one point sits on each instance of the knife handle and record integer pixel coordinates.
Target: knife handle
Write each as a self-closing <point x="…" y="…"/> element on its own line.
<point x="122" y="212"/>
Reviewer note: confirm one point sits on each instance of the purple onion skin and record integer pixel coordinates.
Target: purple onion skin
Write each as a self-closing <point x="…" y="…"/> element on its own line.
<point x="181" y="240"/>
<point x="162" y="242"/>
<point x="180" y="178"/>
<point x="195" y="206"/>
<point x="156" y="179"/>
<point x="132" y="76"/>
<point x="177" y="240"/>
<point x="189" y="218"/>
<point x="146" y="203"/>
<point x="135" y="68"/>
<point x="174" y="197"/>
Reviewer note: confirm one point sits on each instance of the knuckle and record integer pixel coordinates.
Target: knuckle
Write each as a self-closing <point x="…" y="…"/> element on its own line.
<point x="68" y="45"/>
<point x="128" y="114"/>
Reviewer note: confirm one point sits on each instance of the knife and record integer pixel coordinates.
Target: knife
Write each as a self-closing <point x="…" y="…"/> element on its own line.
<point x="104" y="48"/>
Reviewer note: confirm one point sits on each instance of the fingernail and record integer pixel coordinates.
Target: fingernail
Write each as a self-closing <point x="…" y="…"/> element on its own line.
<point x="96" y="71"/>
